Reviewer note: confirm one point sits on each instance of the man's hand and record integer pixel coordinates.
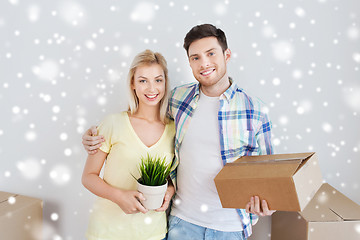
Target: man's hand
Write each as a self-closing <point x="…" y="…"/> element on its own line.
<point x="170" y="191"/>
<point x="91" y="141"/>
<point x="255" y="207"/>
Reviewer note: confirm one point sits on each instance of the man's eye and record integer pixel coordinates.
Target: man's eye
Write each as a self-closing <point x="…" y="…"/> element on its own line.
<point x="211" y="54"/>
<point x="195" y="58"/>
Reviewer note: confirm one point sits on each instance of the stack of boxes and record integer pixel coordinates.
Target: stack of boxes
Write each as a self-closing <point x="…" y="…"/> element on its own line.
<point x="329" y="215"/>
<point x="307" y="208"/>
<point x="20" y="217"/>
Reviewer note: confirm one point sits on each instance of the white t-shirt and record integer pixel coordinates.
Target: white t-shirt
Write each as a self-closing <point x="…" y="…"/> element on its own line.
<point x="196" y="199"/>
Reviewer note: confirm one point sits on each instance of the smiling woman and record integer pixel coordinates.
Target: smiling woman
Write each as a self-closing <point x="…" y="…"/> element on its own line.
<point x="144" y="129"/>
<point x="148" y="73"/>
<point x="149" y="84"/>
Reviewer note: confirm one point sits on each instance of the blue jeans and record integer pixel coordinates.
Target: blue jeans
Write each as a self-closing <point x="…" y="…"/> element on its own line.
<point x="179" y="229"/>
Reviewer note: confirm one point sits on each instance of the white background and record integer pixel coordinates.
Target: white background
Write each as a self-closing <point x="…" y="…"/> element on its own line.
<point x="63" y="66"/>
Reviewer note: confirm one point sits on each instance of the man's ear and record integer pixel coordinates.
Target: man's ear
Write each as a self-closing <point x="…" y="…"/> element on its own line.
<point x="227" y="55"/>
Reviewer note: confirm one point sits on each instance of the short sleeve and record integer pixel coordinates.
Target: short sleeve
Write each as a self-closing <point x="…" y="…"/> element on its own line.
<point x="106" y="129"/>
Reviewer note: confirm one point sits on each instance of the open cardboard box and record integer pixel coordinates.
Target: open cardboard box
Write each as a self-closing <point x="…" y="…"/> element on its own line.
<point x="286" y="181"/>
<point x="20" y="217"/>
<point x="329" y="215"/>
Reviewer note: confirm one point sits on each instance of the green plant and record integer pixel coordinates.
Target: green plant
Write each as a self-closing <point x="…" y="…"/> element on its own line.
<point x="153" y="171"/>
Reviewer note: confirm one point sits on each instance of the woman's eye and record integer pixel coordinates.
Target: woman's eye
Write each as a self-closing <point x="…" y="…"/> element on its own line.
<point x="159" y="80"/>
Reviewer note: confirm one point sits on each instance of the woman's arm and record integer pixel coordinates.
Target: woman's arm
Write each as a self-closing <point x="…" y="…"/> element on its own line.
<point x="127" y="200"/>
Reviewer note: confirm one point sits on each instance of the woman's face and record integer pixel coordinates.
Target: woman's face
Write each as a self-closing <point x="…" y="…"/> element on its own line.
<point x="149" y="84"/>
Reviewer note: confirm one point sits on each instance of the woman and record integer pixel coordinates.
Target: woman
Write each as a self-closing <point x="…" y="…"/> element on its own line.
<point x="143" y="129"/>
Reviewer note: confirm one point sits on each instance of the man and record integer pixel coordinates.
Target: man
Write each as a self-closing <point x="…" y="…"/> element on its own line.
<point x="216" y="122"/>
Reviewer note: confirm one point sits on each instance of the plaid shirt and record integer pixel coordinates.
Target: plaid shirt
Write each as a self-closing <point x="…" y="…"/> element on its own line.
<point x="243" y="123"/>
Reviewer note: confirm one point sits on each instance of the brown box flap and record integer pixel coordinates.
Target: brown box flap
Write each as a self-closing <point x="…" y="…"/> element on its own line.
<point x="253" y="169"/>
<point x="329" y="205"/>
<point x="288" y="156"/>
<point x="4" y="196"/>
<point x="277" y="165"/>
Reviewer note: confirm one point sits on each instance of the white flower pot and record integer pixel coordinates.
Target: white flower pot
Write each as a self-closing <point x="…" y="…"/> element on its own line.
<point x="154" y="195"/>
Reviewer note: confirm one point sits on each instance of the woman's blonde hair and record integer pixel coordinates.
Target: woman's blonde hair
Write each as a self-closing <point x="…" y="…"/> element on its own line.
<point x="148" y="57"/>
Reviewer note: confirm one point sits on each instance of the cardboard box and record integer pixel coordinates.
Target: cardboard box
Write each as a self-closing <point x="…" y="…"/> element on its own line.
<point x="286" y="181"/>
<point x="329" y="215"/>
<point x="20" y="217"/>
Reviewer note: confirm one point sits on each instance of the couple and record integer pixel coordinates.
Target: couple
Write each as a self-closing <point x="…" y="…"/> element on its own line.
<point x="213" y="122"/>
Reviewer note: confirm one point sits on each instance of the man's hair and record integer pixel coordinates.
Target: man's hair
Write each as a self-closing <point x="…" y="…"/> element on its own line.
<point x="148" y="58"/>
<point x="203" y="31"/>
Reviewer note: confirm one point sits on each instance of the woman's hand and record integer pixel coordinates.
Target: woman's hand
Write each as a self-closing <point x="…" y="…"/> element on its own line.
<point x="170" y="191"/>
<point x="129" y="201"/>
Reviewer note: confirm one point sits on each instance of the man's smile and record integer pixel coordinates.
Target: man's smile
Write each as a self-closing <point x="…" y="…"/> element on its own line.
<point x="207" y="72"/>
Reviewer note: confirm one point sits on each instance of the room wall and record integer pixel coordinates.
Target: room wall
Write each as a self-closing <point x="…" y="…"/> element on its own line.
<point x="63" y="66"/>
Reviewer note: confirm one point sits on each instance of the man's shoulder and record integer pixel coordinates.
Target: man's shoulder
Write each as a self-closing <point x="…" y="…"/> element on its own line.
<point x="183" y="89"/>
<point x="254" y="101"/>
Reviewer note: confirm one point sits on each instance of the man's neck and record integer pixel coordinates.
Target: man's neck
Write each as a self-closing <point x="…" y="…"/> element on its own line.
<point x="217" y="89"/>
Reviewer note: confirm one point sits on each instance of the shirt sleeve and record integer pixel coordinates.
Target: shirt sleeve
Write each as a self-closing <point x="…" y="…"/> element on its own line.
<point x="263" y="136"/>
<point x="170" y="105"/>
<point x="253" y="218"/>
<point x="106" y="129"/>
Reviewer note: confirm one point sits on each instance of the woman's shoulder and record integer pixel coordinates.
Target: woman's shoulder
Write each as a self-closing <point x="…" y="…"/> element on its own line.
<point x="114" y="118"/>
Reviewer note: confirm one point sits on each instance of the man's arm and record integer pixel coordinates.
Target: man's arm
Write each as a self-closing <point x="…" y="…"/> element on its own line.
<point x="263" y="138"/>
<point x="169" y="112"/>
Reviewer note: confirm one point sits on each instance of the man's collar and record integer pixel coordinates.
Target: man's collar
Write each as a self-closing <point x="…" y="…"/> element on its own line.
<point x="228" y="94"/>
<point x="197" y="90"/>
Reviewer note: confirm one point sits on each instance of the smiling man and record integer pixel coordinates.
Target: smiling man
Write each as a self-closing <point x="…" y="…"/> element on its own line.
<point x="216" y="123"/>
<point x="208" y="63"/>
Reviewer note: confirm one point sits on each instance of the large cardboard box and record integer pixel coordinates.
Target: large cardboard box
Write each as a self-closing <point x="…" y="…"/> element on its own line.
<point x="286" y="181"/>
<point x="20" y="217"/>
<point x="329" y="215"/>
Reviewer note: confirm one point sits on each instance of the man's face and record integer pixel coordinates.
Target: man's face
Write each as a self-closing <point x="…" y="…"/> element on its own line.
<point x="208" y="61"/>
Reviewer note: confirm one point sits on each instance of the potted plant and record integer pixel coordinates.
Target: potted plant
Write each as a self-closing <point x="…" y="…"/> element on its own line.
<point x="153" y="180"/>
